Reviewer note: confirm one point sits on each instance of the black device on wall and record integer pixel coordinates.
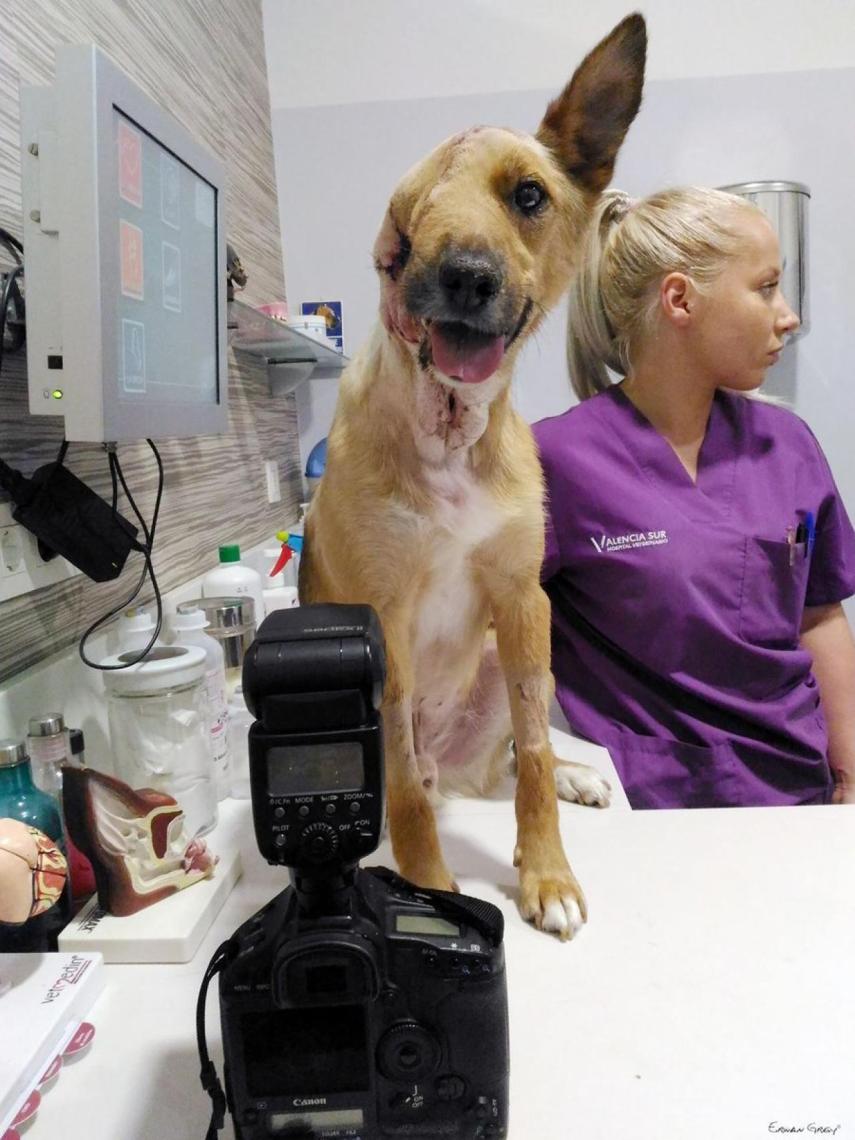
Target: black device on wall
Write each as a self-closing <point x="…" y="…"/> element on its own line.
<point x="68" y="518"/>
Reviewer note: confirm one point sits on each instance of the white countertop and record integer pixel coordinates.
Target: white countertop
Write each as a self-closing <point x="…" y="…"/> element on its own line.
<point x="710" y="997"/>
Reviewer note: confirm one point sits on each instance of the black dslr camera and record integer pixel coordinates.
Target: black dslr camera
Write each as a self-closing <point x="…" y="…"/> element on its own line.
<point x="354" y="1004"/>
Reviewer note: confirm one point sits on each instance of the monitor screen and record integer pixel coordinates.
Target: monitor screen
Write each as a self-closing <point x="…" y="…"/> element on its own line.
<point x="126" y="259"/>
<point x="166" y="315"/>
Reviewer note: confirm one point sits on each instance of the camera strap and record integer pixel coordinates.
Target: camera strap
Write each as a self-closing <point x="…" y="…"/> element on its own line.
<point x="208" y="1075"/>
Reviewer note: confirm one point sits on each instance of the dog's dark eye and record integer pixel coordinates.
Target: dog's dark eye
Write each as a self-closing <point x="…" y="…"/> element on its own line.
<point x="529" y="196"/>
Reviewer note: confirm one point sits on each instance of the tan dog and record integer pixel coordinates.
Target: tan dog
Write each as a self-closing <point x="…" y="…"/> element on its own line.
<point x="431" y="505"/>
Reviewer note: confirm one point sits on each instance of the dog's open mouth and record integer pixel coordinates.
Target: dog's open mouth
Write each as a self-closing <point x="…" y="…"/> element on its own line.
<point x="464" y="353"/>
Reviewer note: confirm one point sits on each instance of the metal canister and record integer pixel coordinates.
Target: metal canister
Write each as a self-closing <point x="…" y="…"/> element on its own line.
<point x="231" y="620"/>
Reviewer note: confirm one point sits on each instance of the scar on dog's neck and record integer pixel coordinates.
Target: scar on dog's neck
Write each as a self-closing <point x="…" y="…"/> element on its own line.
<point x="445" y="426"/>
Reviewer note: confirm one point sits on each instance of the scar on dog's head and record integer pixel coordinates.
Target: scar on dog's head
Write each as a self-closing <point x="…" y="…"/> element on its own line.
<point x="480" y="237"/>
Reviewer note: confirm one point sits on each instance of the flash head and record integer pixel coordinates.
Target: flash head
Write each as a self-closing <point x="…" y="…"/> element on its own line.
<point x="313" y="678"/>
<point x="315" y="667"/>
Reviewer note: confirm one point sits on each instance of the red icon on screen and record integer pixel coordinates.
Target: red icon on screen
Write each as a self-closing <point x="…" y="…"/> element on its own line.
<point x="130" y="164"/>
<point x="132" y="260"/>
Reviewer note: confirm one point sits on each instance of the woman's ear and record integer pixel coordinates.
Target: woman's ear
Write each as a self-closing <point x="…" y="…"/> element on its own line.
<point x="677" y="296"/>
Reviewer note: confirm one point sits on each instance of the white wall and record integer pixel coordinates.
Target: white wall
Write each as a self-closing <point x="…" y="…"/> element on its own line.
<point x="362" y="50"/>
<point x="337" y="165"/>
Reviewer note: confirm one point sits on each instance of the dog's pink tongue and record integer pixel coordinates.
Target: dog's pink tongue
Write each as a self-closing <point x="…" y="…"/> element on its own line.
<point x="469" y="364"/>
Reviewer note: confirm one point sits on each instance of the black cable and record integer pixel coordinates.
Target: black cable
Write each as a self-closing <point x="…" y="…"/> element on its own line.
<point x="115" y="485"/>
<point x="4" y="304"/>
<point x="208" y="1074"/>
<point x="116" y="472"/>
<point x="13" y="482"/>
<point x="117" y="467"/>
<point x="12" y="244"/>
<point x="159" y="495"/>
<point x="103" y="620"/>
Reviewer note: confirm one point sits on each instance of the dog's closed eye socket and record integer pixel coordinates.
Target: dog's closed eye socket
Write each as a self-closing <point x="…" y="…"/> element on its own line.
<point x="529" y="197"/>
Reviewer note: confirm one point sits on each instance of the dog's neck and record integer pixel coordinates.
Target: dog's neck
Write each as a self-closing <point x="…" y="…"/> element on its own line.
<point x="444" y="426"/>
<point x="448" y="430"/>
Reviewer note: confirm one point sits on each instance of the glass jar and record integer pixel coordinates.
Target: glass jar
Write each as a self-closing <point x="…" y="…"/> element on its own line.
<point x="158" y="717"/>
<point x="49" y="749"/>
<point x="21" y="799"/>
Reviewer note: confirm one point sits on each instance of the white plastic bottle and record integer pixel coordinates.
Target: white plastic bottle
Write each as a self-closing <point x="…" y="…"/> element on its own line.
<point x="232" y="577"/>
<point x="278" y="596"/>
<point x="136" y="625"/>
<point x="240" y="722"/>
<point x="288" y="573"/>
<point x="297" y="530"/>
<point x="188" y="628"/>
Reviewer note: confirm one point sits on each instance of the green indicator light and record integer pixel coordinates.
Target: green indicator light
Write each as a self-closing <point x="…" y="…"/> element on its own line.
<point x="56" y="394"/>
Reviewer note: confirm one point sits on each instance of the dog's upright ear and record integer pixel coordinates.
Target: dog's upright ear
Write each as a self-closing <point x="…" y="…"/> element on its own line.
<point x="585" y="126"/>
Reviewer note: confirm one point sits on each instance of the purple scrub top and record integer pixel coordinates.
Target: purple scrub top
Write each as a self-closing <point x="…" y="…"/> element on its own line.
<point x="676" y="607"/>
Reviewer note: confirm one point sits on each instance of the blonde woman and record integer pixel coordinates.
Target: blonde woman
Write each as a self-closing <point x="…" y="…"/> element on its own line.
<point x="697" y="548"/>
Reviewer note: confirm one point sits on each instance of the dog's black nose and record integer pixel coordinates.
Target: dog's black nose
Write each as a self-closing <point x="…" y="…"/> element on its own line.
<point x="469" y="281"/>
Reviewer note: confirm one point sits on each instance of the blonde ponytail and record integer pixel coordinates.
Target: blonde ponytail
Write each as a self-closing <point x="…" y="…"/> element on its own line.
<point x="591" y="344"/>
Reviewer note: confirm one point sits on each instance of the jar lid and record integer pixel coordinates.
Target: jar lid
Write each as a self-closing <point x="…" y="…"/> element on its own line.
<point x="48" y="725"/>
<point x="190" y="617"/>
<point x="226" y="614"/>
<point x="12" y="752"/>
<point x="165" y="667"/>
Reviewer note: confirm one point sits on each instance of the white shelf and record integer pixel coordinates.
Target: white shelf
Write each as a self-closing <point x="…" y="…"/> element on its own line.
<point x="291" y="356"/>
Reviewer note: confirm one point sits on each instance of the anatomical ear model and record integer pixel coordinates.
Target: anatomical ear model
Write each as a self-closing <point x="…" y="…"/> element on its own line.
<point x="134" y="839"/>
<point x="32" y="872"/>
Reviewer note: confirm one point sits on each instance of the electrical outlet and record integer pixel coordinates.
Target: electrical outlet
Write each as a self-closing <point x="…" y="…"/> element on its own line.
<point x="11" y="551"/>
<point x="271" y="475"/>
<point x="22" y="568"/>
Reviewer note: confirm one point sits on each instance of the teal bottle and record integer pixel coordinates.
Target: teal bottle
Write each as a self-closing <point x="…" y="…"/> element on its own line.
<point x="21" y="799"/>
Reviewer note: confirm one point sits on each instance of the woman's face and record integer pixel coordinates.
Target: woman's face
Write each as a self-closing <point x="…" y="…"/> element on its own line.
<point x="742" y="318"/>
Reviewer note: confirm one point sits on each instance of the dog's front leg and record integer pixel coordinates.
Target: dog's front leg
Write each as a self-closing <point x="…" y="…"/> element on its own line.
<point x="549" y="893"/>
<point x="412" y="823"/>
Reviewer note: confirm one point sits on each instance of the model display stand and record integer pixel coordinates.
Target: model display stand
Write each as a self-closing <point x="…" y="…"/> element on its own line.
<point x="169" y="932"/>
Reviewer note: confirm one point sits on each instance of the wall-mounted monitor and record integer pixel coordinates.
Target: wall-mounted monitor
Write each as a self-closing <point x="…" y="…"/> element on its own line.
<point x="124" y="260"/>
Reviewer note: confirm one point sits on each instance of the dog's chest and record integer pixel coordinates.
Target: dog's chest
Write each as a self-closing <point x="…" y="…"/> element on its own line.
<point x="464" y="515"/>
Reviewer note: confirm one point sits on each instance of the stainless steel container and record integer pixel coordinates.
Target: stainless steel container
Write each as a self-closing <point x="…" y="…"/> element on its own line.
<point x="786" y="206"/>
<point x="231" y="620"/>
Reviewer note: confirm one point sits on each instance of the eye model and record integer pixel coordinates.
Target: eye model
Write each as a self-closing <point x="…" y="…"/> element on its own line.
<point x="529" y="197"/>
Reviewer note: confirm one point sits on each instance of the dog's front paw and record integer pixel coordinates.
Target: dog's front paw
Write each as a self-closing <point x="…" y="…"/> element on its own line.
<point x="579" y="784"/>
<point x="553" y="902"/>
<point x="434" y="878"/>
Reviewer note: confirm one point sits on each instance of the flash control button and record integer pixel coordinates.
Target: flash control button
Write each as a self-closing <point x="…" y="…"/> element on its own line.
<point x="330" y="809"/>
<point x="318" y="842"/>
<point x="279" y="812"/>
<point x="355" y="807"/>
<point x="303" y="810"/>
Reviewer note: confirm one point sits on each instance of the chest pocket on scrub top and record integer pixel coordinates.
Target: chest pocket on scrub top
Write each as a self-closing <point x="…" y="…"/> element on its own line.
<point x="773" y="592"/>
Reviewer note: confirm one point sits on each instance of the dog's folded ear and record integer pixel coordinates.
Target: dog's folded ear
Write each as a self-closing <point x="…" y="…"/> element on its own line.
<point x="586" y="124"/>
